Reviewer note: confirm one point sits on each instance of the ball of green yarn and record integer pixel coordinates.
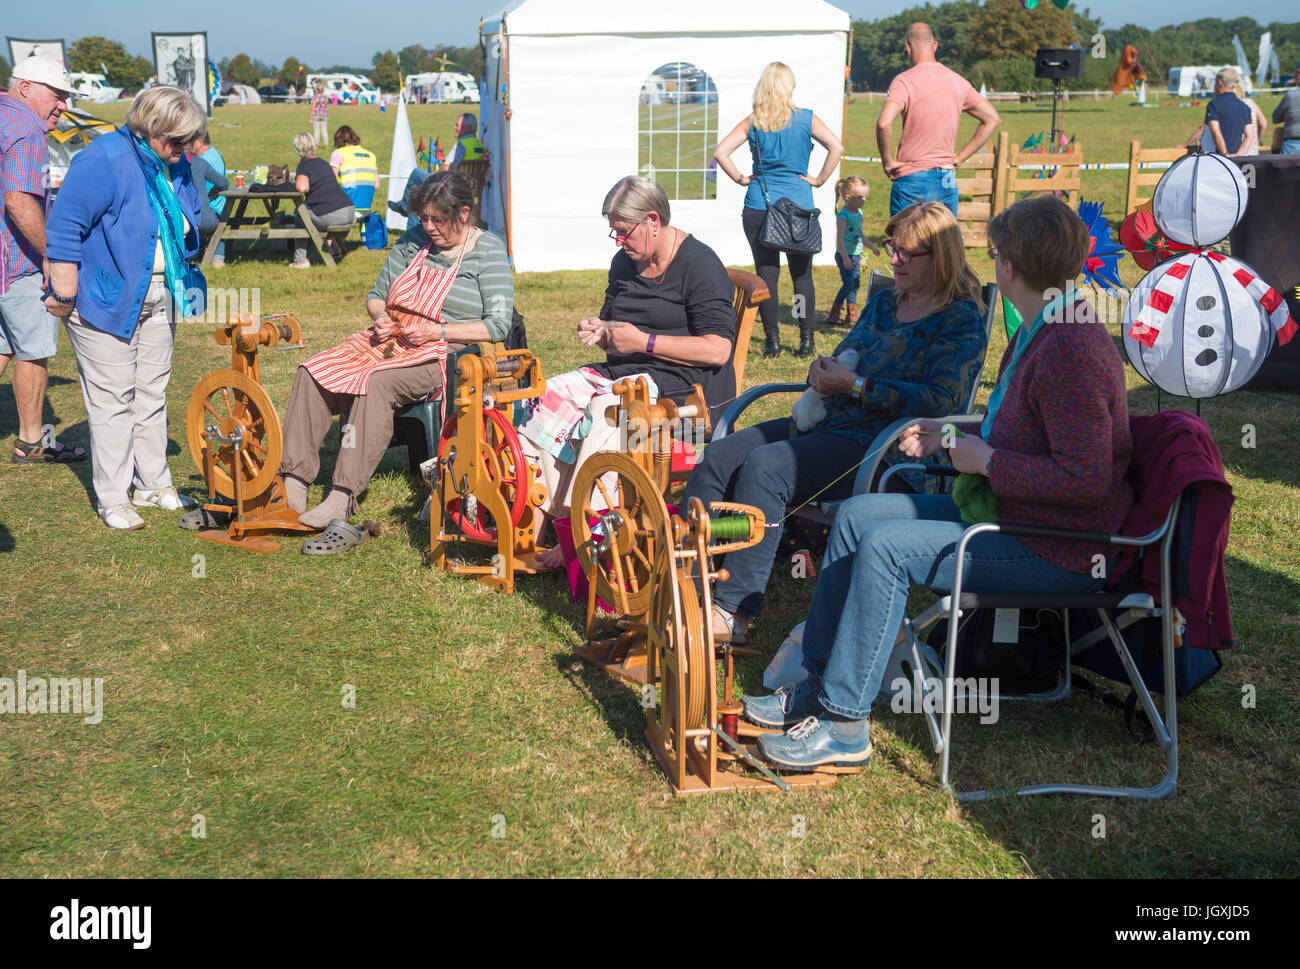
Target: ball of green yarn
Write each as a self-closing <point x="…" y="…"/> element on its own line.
<point x="975" y="499"/>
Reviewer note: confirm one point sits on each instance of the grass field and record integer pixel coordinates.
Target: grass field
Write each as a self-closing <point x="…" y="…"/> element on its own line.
<point x="478" y="743"/>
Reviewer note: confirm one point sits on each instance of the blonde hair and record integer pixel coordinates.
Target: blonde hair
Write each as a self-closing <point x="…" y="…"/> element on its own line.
<point x="633" y="198"/>
<point x="932" y="225"/>
<point x="304" y="144"/>
<point x="165" y="112"/>
<point x="774" y="97"/>
<point x="841" y="187"/>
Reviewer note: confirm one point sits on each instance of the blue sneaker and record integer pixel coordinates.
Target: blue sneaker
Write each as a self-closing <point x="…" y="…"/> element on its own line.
<point x="786" y="707"/>
<point x="818" y="742"/>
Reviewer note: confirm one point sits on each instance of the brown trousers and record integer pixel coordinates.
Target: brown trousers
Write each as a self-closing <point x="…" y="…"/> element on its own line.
<point x="367" y="423"/>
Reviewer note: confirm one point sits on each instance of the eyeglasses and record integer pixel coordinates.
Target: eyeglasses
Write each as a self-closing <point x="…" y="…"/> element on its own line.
<point x="993" y="253"/>
<point x="180" y="144"/>
<point x="894" y="249"/>
<point x="618" y="236"/>
<point x="436" y="222"/>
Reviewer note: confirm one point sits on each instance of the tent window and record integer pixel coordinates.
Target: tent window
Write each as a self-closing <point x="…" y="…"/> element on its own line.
<point x="677" y="131"/>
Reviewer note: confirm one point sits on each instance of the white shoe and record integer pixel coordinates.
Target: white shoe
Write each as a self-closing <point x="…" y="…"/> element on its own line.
<point x="299" y="265"/>
<point x="168" y="499"/>
<point x="121" y="516"/>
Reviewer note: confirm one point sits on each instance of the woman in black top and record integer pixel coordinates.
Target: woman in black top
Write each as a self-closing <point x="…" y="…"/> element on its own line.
<point x="667" y="313"/>
<point x="326" y="201"/>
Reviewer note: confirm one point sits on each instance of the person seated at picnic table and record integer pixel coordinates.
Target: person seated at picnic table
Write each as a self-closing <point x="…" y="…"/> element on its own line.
<point x="667" y="314"/>
<point x="327" y="203"/>
<point x="1052" y="450"/>
<point x="915" y="350"/>
<point x="428" y="302"/>
<point x="208" y="170"/>
<point x="355" y="167"/>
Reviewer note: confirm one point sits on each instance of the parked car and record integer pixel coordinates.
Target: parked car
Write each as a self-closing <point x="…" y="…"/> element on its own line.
<point x="274" y="93"/>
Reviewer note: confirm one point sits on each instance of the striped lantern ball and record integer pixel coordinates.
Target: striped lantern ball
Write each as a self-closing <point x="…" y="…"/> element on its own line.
<point x="1201" y="325"/>
<point x="1200" y="199"/>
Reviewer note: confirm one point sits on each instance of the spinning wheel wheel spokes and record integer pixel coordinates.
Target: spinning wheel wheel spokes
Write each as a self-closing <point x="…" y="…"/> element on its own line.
<point x="619" y="528"/>
<point x="681" y="654"/>
<point x="234" y="402"/>
<point x="506" y="464"/>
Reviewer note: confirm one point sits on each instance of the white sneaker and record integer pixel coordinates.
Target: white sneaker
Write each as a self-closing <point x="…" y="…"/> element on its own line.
<point x="121" y="516"/>
<point x="168" y="499"/>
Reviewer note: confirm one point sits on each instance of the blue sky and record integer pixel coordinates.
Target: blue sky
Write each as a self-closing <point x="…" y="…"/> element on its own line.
<point x="329" y="31"/>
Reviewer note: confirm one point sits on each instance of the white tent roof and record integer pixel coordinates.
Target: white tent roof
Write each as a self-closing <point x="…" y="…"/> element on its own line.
<point x="537" y="17"/>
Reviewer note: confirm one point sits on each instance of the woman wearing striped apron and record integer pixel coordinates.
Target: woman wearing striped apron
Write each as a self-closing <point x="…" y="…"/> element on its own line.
<point x="428" y="302"/>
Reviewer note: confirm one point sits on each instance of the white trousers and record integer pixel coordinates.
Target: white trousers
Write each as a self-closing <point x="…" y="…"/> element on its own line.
<point x="124" y="385"/>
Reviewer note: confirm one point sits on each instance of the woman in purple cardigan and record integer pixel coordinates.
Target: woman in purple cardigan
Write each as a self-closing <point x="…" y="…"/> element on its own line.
<point x="1053" y="450"/>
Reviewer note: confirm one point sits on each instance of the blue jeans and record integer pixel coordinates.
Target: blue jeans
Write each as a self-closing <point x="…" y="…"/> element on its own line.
<point x="880" y="546"/>
<point x="765" y="467"/>
<point x="931" y="185"/>
<point x="850" y="279"/>
<point x="1291" y="146"/>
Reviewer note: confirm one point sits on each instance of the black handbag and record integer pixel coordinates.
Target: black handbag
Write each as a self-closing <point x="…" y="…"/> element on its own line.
<point x="788" y="227"/>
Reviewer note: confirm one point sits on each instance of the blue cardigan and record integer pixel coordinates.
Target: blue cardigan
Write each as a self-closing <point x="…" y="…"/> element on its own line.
<point x="103" y="222"/>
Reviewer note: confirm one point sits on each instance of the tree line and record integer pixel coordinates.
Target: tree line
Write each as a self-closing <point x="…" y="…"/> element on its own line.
<point x="993" y="43"/>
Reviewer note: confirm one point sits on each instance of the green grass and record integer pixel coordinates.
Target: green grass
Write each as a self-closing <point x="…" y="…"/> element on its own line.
<point x="223" y="694"/>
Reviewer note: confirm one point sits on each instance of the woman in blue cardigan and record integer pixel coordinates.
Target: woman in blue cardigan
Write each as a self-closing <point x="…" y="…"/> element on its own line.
<point x="123" y="227"/>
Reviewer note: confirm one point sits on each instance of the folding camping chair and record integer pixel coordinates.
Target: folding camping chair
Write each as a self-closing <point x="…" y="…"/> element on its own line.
<point x="1131" y="606"/>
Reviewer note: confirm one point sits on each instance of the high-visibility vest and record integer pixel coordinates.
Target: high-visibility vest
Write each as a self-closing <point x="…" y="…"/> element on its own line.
<point x="473" y="148"/>
<point x="358" y="169"/>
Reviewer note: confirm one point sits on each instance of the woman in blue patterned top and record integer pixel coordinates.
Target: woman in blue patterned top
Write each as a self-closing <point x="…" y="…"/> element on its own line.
<point x="780" y="140"/>
<point x="918" y="346"/>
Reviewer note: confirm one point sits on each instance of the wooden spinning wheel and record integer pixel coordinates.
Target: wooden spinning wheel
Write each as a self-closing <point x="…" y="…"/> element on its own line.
<point x="504" y="464"/>
<point x="232" y="402"/>
<point x="484" y="489"/>
<point x="616" y="528"/>
<point x="236" y="438"/>
<point x="697" y="740"/>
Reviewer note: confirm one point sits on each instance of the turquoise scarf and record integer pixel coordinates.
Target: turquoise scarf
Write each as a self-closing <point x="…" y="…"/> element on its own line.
<point x="171" y="224"/>
<point x="1024" y="336"/>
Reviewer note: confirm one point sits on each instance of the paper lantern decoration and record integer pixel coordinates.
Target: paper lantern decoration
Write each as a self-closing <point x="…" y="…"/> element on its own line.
<point x="1201" y="325"/>
<point x="1101" y="268"/>
<point x="1200" y="199"/>
<point x="1140" y="235"/>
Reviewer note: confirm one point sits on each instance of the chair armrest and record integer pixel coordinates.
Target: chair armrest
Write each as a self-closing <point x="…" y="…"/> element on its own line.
<point x="870" y="466"/>
<point x="726" y="423"/>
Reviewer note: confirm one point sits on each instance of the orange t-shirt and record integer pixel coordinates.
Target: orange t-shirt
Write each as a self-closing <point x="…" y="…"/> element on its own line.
<point x="932" y="99"/>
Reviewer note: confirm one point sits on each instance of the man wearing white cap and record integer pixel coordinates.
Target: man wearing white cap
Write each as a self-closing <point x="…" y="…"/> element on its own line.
<point x="37" y="95"/>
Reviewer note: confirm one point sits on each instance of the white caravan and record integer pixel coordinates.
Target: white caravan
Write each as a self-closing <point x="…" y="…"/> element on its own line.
<point x="348" y="88"/>
<point x="93" y="88"/>
<point x="1198" y="81"/>
<point x="441" y="87"/>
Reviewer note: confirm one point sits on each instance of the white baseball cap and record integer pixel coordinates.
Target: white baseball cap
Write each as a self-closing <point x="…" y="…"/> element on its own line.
<point x="43" y="71"/>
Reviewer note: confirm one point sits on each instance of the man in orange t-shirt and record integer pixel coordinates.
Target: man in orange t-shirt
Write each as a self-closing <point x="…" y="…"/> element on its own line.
<point x="931" y="99"/>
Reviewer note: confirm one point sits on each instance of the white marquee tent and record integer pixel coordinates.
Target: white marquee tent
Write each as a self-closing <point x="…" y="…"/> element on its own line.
<point x="562" y="112"/>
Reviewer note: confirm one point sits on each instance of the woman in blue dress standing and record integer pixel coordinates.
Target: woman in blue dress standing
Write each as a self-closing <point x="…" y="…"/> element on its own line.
<point x="780" y="140"/>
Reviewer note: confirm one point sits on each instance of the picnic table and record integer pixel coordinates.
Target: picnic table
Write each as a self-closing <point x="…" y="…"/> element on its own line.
<point x="265" y="221"/>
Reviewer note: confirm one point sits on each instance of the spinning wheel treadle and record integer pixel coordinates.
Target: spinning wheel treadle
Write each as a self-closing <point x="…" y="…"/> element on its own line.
<point x="232" y="402"/>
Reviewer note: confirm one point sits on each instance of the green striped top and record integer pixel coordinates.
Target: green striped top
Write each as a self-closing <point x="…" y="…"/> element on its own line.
<point x="483" y="290"/>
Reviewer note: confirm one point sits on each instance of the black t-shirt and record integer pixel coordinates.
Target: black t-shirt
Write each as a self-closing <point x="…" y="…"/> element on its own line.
<point x="693" y="298"/>
<point x="323" y="192"/>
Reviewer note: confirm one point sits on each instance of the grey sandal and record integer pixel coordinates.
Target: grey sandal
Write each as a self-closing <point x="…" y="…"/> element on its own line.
<point x="339" y="537"/>
<point x="200" y="518"/>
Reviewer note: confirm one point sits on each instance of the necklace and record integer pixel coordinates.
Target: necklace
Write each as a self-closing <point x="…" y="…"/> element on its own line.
<point x="676" y="241"/>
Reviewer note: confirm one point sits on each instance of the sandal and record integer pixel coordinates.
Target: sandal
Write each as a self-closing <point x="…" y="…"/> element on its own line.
<point x="200" y="518"/>
<point x="339" y="537"/>
<point x="39" y="454"/>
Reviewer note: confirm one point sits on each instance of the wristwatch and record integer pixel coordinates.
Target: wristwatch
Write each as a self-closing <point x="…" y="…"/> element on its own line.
<point x="860" y="387"/>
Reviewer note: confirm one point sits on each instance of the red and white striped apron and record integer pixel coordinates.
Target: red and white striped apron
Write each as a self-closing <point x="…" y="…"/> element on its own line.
<point x="416" y="295"/>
